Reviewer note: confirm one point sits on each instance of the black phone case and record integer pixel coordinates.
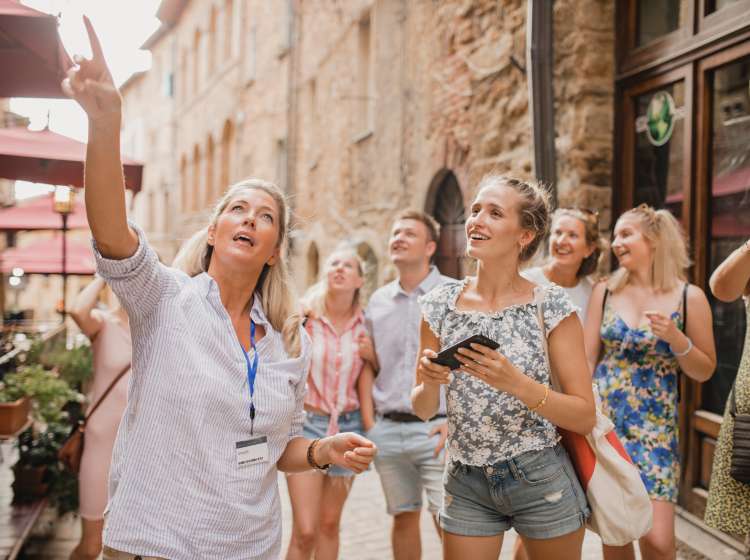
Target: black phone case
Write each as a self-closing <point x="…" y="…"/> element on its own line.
<point x="447" y="357"/>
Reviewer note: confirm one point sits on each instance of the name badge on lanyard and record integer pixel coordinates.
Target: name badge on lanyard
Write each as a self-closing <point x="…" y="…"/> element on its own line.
<point x="255" y="449"/>
<point x="252" y="451"/>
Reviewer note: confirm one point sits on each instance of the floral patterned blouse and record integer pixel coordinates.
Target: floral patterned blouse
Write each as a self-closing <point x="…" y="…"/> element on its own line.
<point x="487" y="426"/>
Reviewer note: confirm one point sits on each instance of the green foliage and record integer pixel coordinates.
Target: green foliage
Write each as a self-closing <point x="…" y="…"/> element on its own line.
<point x="11" y="389"/>
<point x="47" y="373"/>
<point x="48" y="392"/>
<point x="74" y="365"/>
<point x="37" y="449"/>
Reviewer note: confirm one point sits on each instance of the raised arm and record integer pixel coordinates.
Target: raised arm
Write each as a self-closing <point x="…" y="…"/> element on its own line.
<point x="83" y="307"/>
<point x="90" y="84"/>
<point x="731" y="279"/>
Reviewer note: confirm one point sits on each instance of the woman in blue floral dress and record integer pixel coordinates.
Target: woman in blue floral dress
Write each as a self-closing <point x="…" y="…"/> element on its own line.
<point x="636" y="320"/>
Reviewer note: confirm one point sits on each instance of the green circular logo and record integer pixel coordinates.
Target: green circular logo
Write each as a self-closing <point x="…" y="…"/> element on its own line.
<point x="660" y="118"/>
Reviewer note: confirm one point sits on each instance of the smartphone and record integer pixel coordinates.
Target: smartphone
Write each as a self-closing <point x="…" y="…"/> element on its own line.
<point x="447" y="357"/>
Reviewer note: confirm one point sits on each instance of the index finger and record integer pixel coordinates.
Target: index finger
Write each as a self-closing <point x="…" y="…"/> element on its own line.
<point x="96" y="47"/>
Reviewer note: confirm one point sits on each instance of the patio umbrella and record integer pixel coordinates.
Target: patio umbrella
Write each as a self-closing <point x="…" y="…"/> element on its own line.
<point x="44" y="256"/>
<point x="37" y="213"/>
<point x="33" y="61"/>
<point x="44" y="156"/>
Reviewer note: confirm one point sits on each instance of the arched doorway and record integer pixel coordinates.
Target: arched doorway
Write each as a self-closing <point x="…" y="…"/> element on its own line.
<point x="445" y="203"/>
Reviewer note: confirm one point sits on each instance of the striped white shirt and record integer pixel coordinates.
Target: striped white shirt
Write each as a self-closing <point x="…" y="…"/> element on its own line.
<point x="175" y="488"/>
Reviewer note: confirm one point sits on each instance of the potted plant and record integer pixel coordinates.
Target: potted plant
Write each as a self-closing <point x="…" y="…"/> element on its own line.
<point x="14" y="406"/>
<point x="37" y="468"/>
<point x="48" y="393"/>
<point x="36" y="452"/>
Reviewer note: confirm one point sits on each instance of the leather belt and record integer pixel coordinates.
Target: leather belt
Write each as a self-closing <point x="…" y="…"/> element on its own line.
<point x="408" y="417"/>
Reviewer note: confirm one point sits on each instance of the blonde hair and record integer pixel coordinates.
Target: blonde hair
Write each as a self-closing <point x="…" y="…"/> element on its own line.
<point x="590" y="221"/>
<point x="533" y="209"/>
<point x="667" y="238"/>
<point x="314" y="300"/>
<point x="274" y="284"/>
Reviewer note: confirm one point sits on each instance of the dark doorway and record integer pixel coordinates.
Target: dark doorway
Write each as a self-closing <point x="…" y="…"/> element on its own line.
<point x="446" y="203"/>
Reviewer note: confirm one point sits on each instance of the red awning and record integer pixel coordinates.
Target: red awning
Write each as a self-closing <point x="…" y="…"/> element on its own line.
<point x="33" y="61"/>
<point x="37" y="213"/>
<point x="732" y="182"/>
<point x="47" y="157"/>
<point x="44" y="256"/>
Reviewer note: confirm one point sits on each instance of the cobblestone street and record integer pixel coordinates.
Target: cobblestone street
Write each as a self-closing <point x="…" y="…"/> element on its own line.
<point x="365" y="532"/>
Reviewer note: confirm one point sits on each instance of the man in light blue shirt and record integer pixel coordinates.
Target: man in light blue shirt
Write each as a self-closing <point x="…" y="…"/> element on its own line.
<point x="411" y="453"/>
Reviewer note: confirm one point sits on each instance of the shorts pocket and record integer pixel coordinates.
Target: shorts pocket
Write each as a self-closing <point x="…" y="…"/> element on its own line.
<point x="540" y="467"/>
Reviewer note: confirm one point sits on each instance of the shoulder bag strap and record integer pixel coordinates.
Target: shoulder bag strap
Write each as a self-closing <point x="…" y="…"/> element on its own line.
<point x="539" y="300"/>
<point x="104" y="395"/>
<point x="604" y="299"/>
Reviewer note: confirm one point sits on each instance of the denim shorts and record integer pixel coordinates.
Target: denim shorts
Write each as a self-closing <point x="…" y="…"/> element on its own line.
<point x="316" y="426"/>
<point x="407" y="465"/>
<point x="537" y="493"/>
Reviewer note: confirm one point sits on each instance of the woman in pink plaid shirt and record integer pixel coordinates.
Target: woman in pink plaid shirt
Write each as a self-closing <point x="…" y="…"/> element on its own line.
<point x="339" y="374"/>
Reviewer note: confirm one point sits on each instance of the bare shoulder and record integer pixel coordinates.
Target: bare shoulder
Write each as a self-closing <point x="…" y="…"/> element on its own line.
<point x="695" y="294"/>
<point x="597" y="291"/>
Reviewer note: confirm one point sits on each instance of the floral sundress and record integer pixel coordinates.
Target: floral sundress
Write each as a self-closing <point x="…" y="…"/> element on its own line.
<point x="637" y="379"/>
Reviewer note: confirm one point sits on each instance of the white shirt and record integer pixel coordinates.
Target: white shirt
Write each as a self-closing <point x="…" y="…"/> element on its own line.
<point x="580" y="294"/>
<point x="176" y="490"/>
<point x="393" y="319"/>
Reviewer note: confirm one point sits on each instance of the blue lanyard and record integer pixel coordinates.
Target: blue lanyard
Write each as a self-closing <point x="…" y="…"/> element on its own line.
<point x="252" y="370"/>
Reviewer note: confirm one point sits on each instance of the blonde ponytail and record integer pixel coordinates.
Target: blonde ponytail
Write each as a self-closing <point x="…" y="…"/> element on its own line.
<point x="191" y="256"/>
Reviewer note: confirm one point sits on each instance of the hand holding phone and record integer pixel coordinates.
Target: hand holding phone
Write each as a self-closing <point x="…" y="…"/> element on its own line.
<point x="447" y="356"/>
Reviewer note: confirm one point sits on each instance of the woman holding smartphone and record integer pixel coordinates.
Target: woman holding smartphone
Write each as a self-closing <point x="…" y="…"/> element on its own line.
<point x="219" y="363"/>
<point x="507" y="467"/>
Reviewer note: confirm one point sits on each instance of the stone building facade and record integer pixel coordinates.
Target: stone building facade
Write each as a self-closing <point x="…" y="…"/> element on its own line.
<point x="359" y="109"/>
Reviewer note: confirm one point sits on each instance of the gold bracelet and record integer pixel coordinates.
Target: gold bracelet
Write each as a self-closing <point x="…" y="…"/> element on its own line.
<point x="542" y="402"/>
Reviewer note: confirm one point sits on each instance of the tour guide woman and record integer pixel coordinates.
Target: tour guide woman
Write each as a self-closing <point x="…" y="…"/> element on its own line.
<point x="219" y="364"/>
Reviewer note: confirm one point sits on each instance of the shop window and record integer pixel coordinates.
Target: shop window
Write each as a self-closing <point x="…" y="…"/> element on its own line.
<point x="657" y="19"/>
<point x="729" y="215"/>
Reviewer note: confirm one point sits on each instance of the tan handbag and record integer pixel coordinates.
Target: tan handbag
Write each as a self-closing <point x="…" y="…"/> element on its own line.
<point x="620" y="506"/>
<point x="72" y="450"/>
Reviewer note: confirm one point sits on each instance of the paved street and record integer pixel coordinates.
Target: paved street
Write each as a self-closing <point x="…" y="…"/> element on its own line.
<point x="365" y="531"/>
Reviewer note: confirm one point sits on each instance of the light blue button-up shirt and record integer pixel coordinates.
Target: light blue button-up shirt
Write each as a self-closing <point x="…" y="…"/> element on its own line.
<point x="393" y="319"/>
<point x="176" y="490"/>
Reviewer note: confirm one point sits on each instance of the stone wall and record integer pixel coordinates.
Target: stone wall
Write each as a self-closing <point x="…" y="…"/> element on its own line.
<point x="584" y="103"/>
<point x="386" y="97"/>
